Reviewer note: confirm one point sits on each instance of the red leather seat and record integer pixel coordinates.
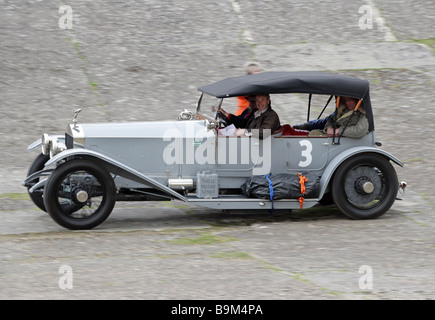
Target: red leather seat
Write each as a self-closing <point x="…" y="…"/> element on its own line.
<point x="279" y="130"/>
<point x="288" y="130"/>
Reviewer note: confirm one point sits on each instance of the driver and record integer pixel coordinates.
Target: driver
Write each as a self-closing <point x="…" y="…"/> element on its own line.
<point x="261" y="117"/>
<point x="240" y="121"/>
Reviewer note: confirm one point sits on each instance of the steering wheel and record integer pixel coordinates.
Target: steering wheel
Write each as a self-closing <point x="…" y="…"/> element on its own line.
<point x="222" y="120"/>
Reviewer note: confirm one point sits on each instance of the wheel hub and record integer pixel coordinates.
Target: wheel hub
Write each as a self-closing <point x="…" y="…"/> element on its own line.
<point x="82" y="196"/>
<point x="362" y="185"/>
<point x="368" y="187"/>
<point x="79" y="195"/>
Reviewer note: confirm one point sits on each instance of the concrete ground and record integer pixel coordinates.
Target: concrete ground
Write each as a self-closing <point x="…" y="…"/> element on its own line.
<point x="144" y="60"/>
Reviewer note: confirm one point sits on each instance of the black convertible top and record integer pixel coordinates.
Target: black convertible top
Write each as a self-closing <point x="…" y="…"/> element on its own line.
<point x="313" y="82"/>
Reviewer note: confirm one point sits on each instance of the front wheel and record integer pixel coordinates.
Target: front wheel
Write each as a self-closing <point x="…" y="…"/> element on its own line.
<point x="37" y="165"/>
<point x="365" y="186"/>
<point x="88" y="189"/>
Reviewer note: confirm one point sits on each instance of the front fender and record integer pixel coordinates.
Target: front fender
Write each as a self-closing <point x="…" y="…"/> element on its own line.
<point x="37" y="144"/>
<point x="339" y="159"/>
<point x="115" y="166"/>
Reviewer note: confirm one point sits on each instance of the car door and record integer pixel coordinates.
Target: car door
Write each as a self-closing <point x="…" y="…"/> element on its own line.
<point x="307" y="153"/>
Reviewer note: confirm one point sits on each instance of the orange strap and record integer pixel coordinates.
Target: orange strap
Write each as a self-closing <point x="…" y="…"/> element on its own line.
<point x="358" y="104"/>
<point x="338" y="101"/>
<point x="302" y="180"/>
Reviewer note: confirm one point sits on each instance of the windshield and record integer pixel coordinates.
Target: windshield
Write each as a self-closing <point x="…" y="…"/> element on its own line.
<point x="208" y="105"/>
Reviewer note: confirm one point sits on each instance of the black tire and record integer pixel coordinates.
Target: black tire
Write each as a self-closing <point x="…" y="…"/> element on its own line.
<point x="80" y="177"/>
<point x="37" y="165"/>
<point x="365" y="186"/>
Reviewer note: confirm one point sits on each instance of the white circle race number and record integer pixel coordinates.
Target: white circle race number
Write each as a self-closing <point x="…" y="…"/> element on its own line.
<point x="306" y="153"/>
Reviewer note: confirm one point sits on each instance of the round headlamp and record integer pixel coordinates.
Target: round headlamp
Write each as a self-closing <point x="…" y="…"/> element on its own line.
<point x="56" y="147"/>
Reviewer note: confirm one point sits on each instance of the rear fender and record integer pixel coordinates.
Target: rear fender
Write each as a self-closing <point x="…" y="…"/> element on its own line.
<point x="114" y="166"/>
<point x="338" y="160"/>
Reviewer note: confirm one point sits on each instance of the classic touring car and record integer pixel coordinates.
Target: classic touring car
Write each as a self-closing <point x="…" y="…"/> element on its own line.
<point x="78" y="176"/>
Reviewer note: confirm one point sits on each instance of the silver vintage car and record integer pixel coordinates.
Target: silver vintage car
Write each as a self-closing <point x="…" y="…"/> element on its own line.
<point x="79" y="175"/>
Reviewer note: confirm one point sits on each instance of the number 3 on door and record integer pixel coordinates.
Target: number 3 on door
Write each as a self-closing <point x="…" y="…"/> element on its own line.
<point x="306" y="153"/>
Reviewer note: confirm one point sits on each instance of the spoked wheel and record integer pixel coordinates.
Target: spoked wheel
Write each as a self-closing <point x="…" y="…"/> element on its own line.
<point x="365" y="186"/>
<point x="37" y="165"/>
<point x="79" y="194"/>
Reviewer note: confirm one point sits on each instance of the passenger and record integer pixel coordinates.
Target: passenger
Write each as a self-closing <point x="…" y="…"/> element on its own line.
<point x="242" y="102"/>
<point x="348" y="122"/>
<point x="263" y="118"/>
<point x="318" y="124"/>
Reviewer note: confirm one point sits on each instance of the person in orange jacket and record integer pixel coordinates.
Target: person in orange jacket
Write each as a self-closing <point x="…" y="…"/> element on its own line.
<point x="242" y="102"/>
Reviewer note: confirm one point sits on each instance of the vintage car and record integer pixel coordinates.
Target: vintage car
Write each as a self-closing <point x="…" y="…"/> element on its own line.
<point x="78" y="176"/>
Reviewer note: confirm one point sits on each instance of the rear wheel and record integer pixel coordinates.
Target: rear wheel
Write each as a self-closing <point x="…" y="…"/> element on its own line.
<point x="365" y="186"/>
<point x="79" y="194"/>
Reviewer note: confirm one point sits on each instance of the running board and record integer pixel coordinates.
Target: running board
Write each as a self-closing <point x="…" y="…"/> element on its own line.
<point x="240" y="202"/>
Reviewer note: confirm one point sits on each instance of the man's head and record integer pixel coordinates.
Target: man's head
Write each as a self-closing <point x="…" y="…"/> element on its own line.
<point x="350" y="102"/>
<point x="262" y="101"/>
<point x="252" y="68"/>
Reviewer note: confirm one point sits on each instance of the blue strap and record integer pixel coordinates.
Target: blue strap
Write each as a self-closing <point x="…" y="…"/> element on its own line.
<point x="270" y="190"/>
